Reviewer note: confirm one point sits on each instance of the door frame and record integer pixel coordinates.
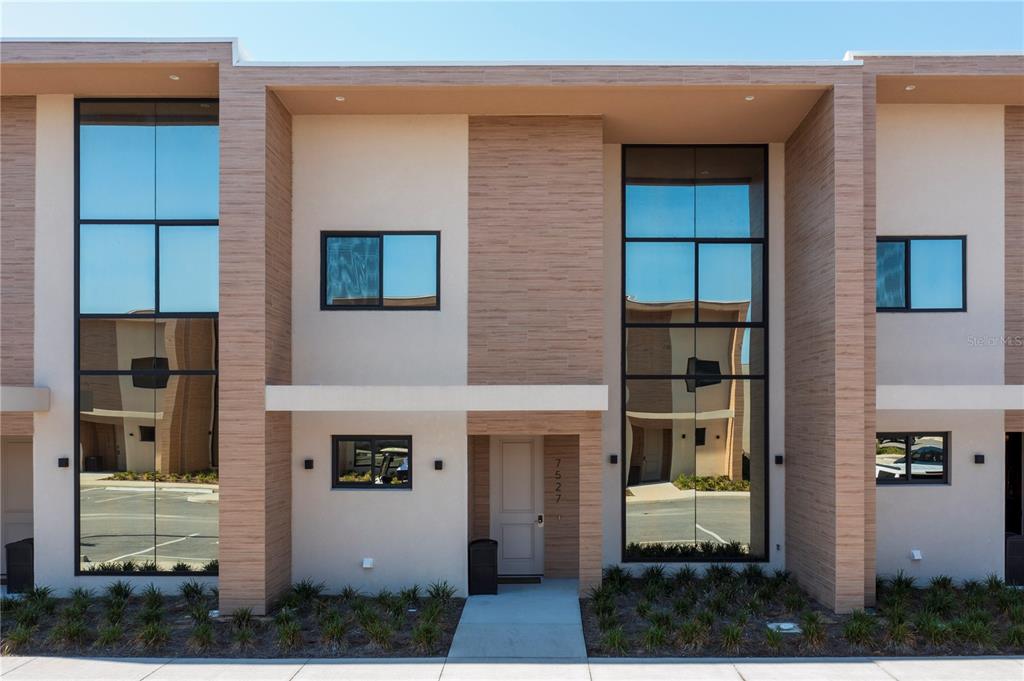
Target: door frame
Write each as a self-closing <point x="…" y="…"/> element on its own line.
<point x="537" y="443"/>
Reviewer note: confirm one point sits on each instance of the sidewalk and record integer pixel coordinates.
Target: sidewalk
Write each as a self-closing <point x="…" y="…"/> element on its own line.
<point x="450" y="669"/>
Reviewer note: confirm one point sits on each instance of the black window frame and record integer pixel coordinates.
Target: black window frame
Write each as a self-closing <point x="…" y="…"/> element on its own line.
<point x="697" y="378"/>
<point x="907" y="436"/>
<point x="156" y="314"/>
<point x="373" y="439"/>
<point x="379" y="305"/>
<point x="907" y="293"/>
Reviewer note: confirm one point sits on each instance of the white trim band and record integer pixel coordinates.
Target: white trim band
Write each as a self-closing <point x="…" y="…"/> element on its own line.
<point x="437" y="398"/>
<point x="958" y="397"/>
<point x="21" y="399"/>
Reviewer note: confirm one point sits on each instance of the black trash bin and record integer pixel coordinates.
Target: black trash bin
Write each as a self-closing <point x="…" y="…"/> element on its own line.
<point x="483" y="567"/>
<point x="20" y="577"/>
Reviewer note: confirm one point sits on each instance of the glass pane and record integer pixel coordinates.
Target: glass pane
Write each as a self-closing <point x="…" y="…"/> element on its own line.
<point x="187" y="160"/>
<point x="117" y="269"/>
<point x="890" y="275"/>
<point x="117" y="458"/>
<point x="936" y="274"/>
<point x="189" y="278"/>
<point x="393" y="463"/>
<point x="660" y="460"/>
<point x="730" y="191"/>
<point x="353" y="270"/>
<point x="658" y="351"/>
<point x="353" y="462"/>
<point x="187" y="498"/>
<point x="890" y="458"/>
<point x="117" y="142"/>
<point x="659" y="210"/>
<point x="669" y="163"/>
<point x="730" y="281"/>
<point x="730" y="468"/>
<point x="187" y="343"/>
<point x="659" y="281"/>
<point x="736" y="351"/>
<point x="112" y="344"/>
<point x="928" y="457"/>
<point x="410" y="270"/>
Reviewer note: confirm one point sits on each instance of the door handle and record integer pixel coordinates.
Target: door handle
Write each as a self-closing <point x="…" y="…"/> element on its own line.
<point x="540" y="520"/>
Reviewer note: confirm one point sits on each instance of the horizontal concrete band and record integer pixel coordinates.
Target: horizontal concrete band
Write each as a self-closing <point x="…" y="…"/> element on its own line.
<point x="958" y="397"/>
<point x="17" y="398"/>
<point x="437" y="398"/>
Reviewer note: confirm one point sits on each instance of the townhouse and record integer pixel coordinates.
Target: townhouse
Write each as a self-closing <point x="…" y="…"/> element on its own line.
<point x="268" y="322"/>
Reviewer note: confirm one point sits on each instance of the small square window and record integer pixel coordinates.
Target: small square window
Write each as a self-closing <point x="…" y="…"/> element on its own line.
<point x="925" y="274"/>
<point x="371" y="462"/>
<point x="928" y="460"/>
<point x="380" y="270"/>
<point x="147" y="434"/>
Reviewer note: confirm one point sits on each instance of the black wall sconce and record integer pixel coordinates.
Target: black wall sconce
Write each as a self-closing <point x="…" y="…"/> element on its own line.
<point x="63" y="462"/>
<point x="979" y="458"/>
<point x="438" y="464"/>
<point x="778" y="459"/>
<point x="308" y="464"/>
<point x="614" y="458"/>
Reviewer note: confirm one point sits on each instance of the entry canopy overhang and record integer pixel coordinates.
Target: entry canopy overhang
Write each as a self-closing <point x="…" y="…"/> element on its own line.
<point x="436" y="398"/>
<point x="949" y="397"/>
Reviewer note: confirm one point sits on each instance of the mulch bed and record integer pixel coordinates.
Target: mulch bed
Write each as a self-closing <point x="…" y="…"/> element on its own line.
<point x="725" y="613"/>
<point x="381" y="625"/>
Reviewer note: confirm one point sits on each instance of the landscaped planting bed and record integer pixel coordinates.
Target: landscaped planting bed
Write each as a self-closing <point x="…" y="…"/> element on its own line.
<point x="727" y="613"/>
<point x="123" y="622"/>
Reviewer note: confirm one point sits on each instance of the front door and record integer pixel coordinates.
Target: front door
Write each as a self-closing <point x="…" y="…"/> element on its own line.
<point x="517" y="504"/>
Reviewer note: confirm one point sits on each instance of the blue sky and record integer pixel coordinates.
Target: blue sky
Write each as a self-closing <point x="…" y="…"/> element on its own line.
<point x="574" y="31"/>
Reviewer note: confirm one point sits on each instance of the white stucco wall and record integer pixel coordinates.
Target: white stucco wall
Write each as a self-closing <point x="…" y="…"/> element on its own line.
<point x="612" y="420"/>
<point x="940" y="172"/>
<point x="959" y="526"/>
<point x="334" y="529"/>
<point x="379" y="173"/>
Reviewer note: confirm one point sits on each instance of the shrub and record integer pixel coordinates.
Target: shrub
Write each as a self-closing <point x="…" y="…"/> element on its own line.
<point x="794" y="601"/>
<point x="653" y="574"/>
<point x="289" y="634"/>
<point x="661" y="619"/>
<point x="604" y="607"/>
<point x="192" y="591"/>
<point x="151" y="615"/>
<point x="859" y="630"/>
<point x="682" y="606"/>
<point x="931" y="628"/>
<point x="380" y="634"/>
<point x="813" y="630"/>
<point x="719" y="573"/>
<point x="425" y="636"/>
<point x="410" y="595"/>
<point x="706" y="618"/>
<point x="28" y="614"/>
<point x="900" y="633"/>
<point x="993" y="583"/>
<point x="152" y="597"/>
<point x="756" y="605"/>
<point x="127" y="566"/>
<point x="684" y="576"/>
<point x="42" y="598"/>
<point x="652" y="591"/>
<point x="753" y="574"/>
<point x="202" y="636"/>
<point x="617" y="578"/>
<point x="692" y="633"/>
<point x="333" y="629"/>
<point x="15" y="639"/>
<point x="198" y="613"/>
<point x="654" y="637"/>
<point x="109" y="634"/>
<point x="940" y="602"/>
<point x="307" y="590"/>
<point x="243" y="618"/>
<point x="119" y="590"/>
<point x="243" y="637"/>
<point x="284" y="616"/>
<point x="1015" y="613"/>
<point x="349" y="593"/>
<point x="974" y="631"/>
<point x="181" y="567"/>
<point x="643" y="609"/>
<point x="773" y="640"/>
<point x="212" y="567"/>
<point x="607" y="621"/>
<point x="430" y="612"/>
<point x="941" y="583"/>
<point x="70" y="630"/>
<point x="81" y="599"/>
<point x="711" y="483"/>
<point x="154" y="635"/>
<point x="614" y="641"/>
<point x="1015" y="636"/>
<point x="894" y="612"/>
<point x="441" y="591"/>
<point x="719" y="604"/>
<point x="148" y="566"/>
<point x="902" y="582"/>
<point x="732" y="637"/>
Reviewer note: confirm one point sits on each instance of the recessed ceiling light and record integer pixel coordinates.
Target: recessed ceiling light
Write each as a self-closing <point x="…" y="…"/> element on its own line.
<point x="909" y="88"/>
<point x="174" y="76"/>
<point x="339" y="98"/>
<point x="749" y="98"/>
<point x="705" y="172"/>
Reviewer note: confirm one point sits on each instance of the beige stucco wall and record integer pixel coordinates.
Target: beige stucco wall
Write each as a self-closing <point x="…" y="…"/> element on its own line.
<point x="959" y="526"/>
<point x="940" y="172"/>
<point x="379" y="173"/>
<point x="334" y="529"/>
<point x="612" y="419"/>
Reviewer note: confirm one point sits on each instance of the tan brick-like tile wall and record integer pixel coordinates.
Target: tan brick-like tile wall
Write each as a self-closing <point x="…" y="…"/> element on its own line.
<point x="870" y="337"/>
<point x="1014" y="254"/>
<point x="535" y="249"/>
<point x="561" y="506"/>
<point x="255" y="447"/>
<point x="585" y="425"/>
<point x="825" y="425"/>
<point x="17" y="250"/>
<point x="479" y="487"/>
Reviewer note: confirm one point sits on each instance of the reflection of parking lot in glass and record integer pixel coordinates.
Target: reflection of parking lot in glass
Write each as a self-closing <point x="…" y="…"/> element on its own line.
<point x="717" y="516"/>
<point x="117" y="524"/>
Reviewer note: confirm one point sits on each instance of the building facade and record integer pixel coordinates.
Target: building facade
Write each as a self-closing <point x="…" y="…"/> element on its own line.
<point x="265" y="322"/>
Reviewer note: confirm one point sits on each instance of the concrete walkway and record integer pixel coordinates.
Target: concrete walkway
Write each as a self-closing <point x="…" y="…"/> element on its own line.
<point x="439" y="669"/>
<point x="537" y="621"/>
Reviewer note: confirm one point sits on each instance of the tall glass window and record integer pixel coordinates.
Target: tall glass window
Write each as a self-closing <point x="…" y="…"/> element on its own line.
<point x="146" y="367"/>
<point x="695" y="353"/>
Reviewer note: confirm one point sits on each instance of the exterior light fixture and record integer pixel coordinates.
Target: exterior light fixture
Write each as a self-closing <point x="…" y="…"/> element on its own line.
<point x="909" y="88"/>
<point x="749" y="98"/>
<point x="174" y="76"/>
<point x="339" y="98"/>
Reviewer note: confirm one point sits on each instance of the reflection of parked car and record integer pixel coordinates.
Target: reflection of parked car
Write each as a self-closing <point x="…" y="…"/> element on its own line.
<point x="926" y="462"/>
<point x="394" y="465"/>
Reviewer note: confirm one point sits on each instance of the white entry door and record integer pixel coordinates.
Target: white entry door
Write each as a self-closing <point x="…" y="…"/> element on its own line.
<point x="517" y="504"/>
